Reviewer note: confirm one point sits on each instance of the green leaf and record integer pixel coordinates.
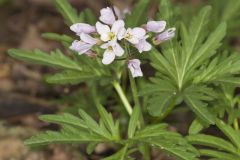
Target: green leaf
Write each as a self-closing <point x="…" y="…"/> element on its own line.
<point x="165" y="11"/>
<point x="209" y="47"/>
<point x="120" y="155"/>
<point x="211" y="141"/>
<point x="55" y="59"/>
<point x="65" y="119"/>
<point x="196" y="126"/>
<point x="57" y="37"/>
<point x="68" y="12"/>
<point x="93" y="125"/>
<point x="233" y="135"/>
<point x="91" y="147"/>
<point x="171" y="142"/>
<point x="109" y="122"/>
<point x="90" y="17"/>
<point x="200" y="109"/>
<point x="178" y="150"/>
<point x="58" y="137"/>
<point x="71" y="77"/>
<point x="194" y="38"/>
<point x="134" y="121"/>
<point x="229" y="80"/>
<point x="138" y="13"/>
<point x="159" y="104"/>
<point x="231" y="10"/>
<point x="151" y="131"/>
<point x="217" y="154"/>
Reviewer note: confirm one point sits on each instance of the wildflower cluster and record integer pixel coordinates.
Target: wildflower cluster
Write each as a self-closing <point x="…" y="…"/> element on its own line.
<point x="111" y="35"/>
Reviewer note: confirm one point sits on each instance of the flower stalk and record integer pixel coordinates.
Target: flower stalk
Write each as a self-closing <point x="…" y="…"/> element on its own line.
<point x="123" y="97"/>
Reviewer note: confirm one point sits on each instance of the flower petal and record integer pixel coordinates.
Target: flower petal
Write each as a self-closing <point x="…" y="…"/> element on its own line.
<point x="103" y="30"/>
<point x="121" y="33"/>
<point x="82" y="28"/>
<point x="80" y="47"/>
<point x="156" y="26"/>
<point x="107" y="16"/>
<point x="117" y="26"/>
<point x="167" y="35"/>
<point x="138" y="32"/>
<point x="143" y="46"/>
<point x="108" y="57"/>
<point x="88" y="39"/>
<point x="134" y="67"/>
<point x="118" y="50"/>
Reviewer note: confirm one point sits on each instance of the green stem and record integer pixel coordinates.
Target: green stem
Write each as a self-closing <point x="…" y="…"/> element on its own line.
<point x="147" y="153"/>
<point x="135" y="97"/>
<point x="134" y="90"/>
<point x="147" y="148"/>
<point x="123" y="97"/>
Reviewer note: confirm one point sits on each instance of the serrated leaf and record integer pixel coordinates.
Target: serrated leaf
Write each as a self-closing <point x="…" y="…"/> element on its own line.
<point x="229" y="80"/>
<point x="108" y="121"/>
<point x="64" y="119"/>
<point x="71" y="77"/>
<point x="151" y="131"/>
<point x="196" y="126"/>
<point x="217" y="154"/>
<point x="200" y="109"/>
<point x="209" y="47"/>
<point x="58" y="137"/>
<point x="68" y="12"/>
<point x="55" y="59"/>
<point x="160" y="104"/>
<point x="57" y="37"/>
<point x="211" y="141"/>
<point x="93" y="125"/>
<point x="180" y="151"/>
<point x="91" y="147"/>
<point x="233" y="135"/>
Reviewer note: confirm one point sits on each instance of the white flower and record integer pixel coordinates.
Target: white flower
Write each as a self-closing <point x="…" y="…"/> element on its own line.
<point x="113" y="49"/>
<point x="143" y="45"/>
<point x="132" y="35"/>
<point x="80" y="28"/>
<point x="110" y="34"/>
<point x="156" y="26"/>
<point x="107" y="16"/>
<point x="83" y="46"/>
<point x="134" y="67"/>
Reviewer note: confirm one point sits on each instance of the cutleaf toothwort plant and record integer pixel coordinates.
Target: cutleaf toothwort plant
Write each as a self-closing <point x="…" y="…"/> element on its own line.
<point x="192" y="70"/>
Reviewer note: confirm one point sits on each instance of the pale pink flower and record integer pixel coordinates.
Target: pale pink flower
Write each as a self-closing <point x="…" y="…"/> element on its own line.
<point x="156" y="26"/>
<point x="166" y="35"/>
<point x="80" y="28"/>
<point x="110" y="34"/>
<point x="113" y="49"/>
<point x="132" y="35"/>
<point x="85" y="45"/>
<point x="143" y="45"/>
<point x="107" y="16"/>
<point x="134" y="67"/>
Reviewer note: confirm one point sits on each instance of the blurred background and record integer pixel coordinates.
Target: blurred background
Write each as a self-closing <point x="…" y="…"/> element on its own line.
<point x="23" y="93"/>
